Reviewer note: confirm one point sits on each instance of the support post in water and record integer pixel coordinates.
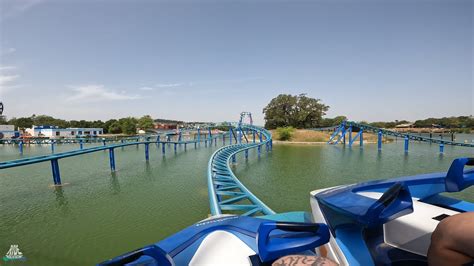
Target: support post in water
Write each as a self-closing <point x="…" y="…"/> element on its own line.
<point x="163" y="147"/>
<point x="223" y="139"/>
<point x="175" y="148"/>
<point x="185" y="146"/>
<point x="246" y="154"/>
<point x="215" y="142"/>
<point x="147" y="151"/>
<point x="350" y="136"/>
<point x="253" y="133"/>
<point x="230" y="136"/>
<point x="199" y="135"/>
<point x="52" y="146"/>
<point x="441" y="148"/>
<point x="55" y="169"/>
<point x="103" y="141"/>
<point x="239" y="135"/>
<point x="406" y="144"/>
<point x="344" y="137"/>
<point x="81" y="145"/>
<point x="112" y="159"/>
<point x="361" y="138"/>
<point x="210" y="136"/>
<point x="379" y="140"/>
<point x="20" y="146"/>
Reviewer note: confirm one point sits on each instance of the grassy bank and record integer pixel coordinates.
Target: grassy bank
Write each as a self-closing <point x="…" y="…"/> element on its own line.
<point x="311" y="136"/>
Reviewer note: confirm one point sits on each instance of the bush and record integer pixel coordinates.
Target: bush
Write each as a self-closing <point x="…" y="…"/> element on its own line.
<point x="285" y="133"/>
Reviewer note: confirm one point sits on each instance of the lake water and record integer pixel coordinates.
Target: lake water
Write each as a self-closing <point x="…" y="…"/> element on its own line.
<point x="99" y="215"/>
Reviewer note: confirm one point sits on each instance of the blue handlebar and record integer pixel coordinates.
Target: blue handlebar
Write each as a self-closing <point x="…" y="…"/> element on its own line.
<point x="302" y="237"/>
<point x="456" y="179"/>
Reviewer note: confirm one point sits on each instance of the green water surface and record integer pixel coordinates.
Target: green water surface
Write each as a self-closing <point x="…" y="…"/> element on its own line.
<point x="99" y="215"/>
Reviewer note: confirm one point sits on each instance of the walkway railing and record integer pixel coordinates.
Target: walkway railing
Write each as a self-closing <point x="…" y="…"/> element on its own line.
<point x="226" y="193"/>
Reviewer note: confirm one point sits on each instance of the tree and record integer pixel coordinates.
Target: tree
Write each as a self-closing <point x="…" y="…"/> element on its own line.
<point x="298" y="111"/>
<point x="22" y="122"/>
<point x="145" y="122"/>
<point x="128" y="125"/>
<point x="114" y="127"/>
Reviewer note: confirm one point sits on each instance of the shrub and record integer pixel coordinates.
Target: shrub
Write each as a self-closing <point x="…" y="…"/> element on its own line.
<point x="285" y="133"/>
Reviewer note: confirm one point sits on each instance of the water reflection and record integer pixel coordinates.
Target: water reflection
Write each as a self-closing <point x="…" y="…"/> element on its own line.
<point x="114" y="183"/>
<point x="61" y="199"/>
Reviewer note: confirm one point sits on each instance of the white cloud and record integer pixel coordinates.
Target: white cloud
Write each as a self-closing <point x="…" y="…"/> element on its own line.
<point x="6" y="82"/>
<point x="17" y="7"/>
<point x="98" y="93"/>
<point x="146" y="88"/>
<point x="169" y="85"/>
<point x="7" y="51"/>
<point x="5" y="68"/>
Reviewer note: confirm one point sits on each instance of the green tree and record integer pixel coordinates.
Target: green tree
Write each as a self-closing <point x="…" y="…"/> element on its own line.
<point x="114" y="127"/>
<point x="107" y="125"/>
<point x="297" y="111"/>
<point x="3" y="120"/>
<point x="22" y="122"/>
<point x="145" y="122"/>
<point x="128" y="125"/>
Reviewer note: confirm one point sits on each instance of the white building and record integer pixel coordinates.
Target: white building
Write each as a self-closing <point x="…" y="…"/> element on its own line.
<point x="8" y="132"/>
<point x="55" y="132"/>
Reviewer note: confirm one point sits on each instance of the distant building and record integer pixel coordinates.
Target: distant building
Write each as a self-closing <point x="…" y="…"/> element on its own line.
<point x="166" y="124"/>
<point x="8" y="132"/>
<point x="56" y="132"/>
<point x="407" y="125"/>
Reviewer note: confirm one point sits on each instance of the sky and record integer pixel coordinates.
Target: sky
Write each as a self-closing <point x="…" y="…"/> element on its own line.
<point x="369" y="60"/>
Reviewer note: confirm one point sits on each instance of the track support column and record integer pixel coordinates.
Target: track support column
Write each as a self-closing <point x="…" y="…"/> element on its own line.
<point x="350" y="136"/>
<point x="112" y="159"/>
<point x="361" y="138"/>
<point x="379" y="140"/>
<point x="406" y="144"/>
<point x="20" y="146"/>
<point x="147" y="151"/>
<point x="441" y="148"/>
<point x="199" y="135"/>
<point x="55" y="169"/>
<point x="52" y="146"/>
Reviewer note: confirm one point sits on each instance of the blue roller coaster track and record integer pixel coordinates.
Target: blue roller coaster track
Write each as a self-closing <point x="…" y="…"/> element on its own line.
<point x="347" y="127"/>
<point x="53" y="158"/>
<point x="226" y="193"/>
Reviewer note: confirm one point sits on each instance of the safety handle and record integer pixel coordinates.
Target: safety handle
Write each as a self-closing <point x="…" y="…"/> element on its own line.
<point x="293" y="238"/>
<point x="456" y="179"/>
<point x="396" y="201"/>
<point x="160" y="256"/>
